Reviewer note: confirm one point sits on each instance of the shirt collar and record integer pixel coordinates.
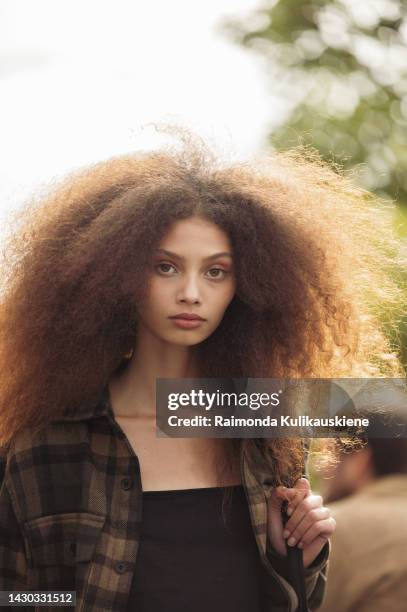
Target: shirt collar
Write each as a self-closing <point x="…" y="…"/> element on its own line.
<point x="91" y="410"/>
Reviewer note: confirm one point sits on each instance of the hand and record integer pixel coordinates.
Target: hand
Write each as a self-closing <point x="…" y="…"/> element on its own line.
<point x="310" y="524"/>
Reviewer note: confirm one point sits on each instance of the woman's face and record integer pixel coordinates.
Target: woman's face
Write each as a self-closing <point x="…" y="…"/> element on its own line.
<point x="191" y="273"/>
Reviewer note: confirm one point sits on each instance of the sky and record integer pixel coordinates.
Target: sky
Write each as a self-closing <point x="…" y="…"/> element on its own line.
<point x="83" y="80"/>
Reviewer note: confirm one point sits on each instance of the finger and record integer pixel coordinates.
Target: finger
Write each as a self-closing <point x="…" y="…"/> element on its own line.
<point x="310" y="518"/>
<point x="308" y="503"/>
<point x="323" y="528"/>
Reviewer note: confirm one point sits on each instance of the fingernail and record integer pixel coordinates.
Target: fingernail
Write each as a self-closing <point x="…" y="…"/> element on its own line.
<point x="300" y="545"/>
<point x="289" y="511"/>
<point x="291" y="542"/>
<point x="286" y="533"/>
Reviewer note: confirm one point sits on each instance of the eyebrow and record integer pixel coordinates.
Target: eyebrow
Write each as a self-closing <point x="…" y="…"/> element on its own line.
<point x="175" y="256"/>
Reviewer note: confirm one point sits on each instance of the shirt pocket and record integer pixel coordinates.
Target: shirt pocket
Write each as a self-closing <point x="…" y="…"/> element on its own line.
<point x="60" y="548"/>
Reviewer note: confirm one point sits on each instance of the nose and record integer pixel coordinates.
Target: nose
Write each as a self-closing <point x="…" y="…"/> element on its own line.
<point x="189" y="292"/>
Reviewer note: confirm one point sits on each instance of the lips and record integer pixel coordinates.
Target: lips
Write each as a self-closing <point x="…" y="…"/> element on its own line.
<point x="188" y="317"/>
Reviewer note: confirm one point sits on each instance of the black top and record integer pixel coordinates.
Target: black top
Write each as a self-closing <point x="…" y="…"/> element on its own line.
<point x="189" y="559"/>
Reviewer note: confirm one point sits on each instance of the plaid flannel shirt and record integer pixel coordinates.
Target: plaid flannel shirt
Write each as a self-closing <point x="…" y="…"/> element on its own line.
<point x="70" y="513"/>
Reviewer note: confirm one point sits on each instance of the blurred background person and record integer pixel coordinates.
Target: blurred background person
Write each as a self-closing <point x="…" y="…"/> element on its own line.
<point x="367" y="495"/>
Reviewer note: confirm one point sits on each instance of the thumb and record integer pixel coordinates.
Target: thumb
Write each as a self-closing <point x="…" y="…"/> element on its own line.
<point x="300" y="490"/>
<point x="303" y="485"/>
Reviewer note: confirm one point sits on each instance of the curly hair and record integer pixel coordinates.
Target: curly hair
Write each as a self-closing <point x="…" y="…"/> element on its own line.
<point x="312" y="255"/>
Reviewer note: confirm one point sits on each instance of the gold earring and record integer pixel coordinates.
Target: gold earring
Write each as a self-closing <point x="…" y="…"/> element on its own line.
<point x="130" y="354"/>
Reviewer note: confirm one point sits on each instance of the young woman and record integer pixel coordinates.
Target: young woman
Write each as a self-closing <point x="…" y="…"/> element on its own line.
<point x="165" y="265"/>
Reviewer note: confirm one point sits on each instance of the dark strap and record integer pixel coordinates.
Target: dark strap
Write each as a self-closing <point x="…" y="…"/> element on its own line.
<point x="296" y="568"/>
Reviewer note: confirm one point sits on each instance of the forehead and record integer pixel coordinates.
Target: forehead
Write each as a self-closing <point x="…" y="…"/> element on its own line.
<point x="195" y="232"/>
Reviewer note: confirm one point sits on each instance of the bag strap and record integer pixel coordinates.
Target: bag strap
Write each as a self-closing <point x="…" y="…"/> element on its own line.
<point x="296" y="568"/>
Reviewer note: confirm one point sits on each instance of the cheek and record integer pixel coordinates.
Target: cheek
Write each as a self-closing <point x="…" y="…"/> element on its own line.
<point x="157" y="295"/>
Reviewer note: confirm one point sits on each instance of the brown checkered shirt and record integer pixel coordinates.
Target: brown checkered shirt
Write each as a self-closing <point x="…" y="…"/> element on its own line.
<point x="70" y="513"/>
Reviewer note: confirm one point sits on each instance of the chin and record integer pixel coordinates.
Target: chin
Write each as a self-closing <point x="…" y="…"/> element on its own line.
<point x="188" y="339"/>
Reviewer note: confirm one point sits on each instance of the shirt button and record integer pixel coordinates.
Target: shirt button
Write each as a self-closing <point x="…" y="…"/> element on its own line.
<point x="126" y="483"/>
<point x="120" y="567"/>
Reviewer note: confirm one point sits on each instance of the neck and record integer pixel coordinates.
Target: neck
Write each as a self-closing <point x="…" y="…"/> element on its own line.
<point x="133" y="392"/>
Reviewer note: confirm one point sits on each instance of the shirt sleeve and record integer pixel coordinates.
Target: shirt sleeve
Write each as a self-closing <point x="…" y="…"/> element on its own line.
<point x="315" y="578"/>
<point x="13" y="564"/>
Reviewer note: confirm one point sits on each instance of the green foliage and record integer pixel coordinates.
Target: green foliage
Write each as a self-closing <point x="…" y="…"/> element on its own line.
<point x="341" y="67"/>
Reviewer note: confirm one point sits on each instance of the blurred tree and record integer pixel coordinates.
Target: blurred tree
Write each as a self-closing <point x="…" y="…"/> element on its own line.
<point x="339" y="68"/>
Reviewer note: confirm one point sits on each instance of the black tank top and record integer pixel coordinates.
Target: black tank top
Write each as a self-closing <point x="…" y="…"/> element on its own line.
<point x="189" y="559"/>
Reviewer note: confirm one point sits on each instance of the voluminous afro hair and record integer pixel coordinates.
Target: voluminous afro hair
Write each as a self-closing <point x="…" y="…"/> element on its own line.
<point x="312" y="255"/>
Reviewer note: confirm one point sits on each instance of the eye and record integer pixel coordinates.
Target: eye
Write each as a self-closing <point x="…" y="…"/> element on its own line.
<point x="217" y="276"/>
<point x="163" y="268"/>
